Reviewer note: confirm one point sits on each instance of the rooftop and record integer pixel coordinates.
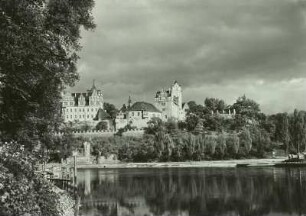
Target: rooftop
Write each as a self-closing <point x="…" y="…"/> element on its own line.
<point x="143" y="106"/>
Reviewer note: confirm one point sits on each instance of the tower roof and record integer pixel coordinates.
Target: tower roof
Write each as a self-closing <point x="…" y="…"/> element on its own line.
<point x="102" y="115"/>
<point x="93" y="86"/>
<point x="143" y="106"/>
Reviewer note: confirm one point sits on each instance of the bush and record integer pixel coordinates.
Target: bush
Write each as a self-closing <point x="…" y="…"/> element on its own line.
<point x="22" y="190"/>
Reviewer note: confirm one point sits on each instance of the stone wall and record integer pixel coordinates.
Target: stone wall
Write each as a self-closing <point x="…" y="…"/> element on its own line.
<point x="105" y="133"/>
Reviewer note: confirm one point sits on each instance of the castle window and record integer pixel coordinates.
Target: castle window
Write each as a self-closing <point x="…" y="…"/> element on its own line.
<point x="83" y="110"/>
<point x="65" y="103"/>
<point x="164" y="109"/>
<point x="80" y="116"/>
<point x="71" y="116"/>
<point x="163" y="104"/>
<point x="92" y="116"/>
<point x="87" y="116"/>
<point x="71" y="103"/>
<point x="83" y="116"/>
<point x="87" y="109"/>
<point x="138" y="113"/>
<point x="75" y="109"/>
<point x="132" y="113"/>
<point x="80" y="110"/>
<point x="70" y="110"/>
<point x="67" y="116"/>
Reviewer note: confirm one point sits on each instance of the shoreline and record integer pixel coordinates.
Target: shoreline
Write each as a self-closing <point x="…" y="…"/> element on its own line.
<point x="215" y="164"/>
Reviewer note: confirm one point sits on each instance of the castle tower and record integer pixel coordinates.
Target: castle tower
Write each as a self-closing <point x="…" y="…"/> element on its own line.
<point x="95" y="97"/>
<point x="169" y="102"/>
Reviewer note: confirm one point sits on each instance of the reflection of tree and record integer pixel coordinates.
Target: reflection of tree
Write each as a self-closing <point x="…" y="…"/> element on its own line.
<point x="207" y="191"/>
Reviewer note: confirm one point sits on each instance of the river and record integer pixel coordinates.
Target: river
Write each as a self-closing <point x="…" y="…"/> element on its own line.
<point x="192" y="191"/>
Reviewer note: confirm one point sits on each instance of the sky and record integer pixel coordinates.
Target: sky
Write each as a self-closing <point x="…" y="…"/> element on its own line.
<point x="222" y="49"/>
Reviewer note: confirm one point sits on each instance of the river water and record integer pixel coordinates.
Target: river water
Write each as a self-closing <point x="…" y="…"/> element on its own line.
<point x="192" y="191"/>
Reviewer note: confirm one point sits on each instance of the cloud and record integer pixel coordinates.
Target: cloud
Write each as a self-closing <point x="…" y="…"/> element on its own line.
<point x="209" y="46"/>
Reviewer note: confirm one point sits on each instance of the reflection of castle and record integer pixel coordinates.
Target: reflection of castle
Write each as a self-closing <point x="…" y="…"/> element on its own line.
<point x="195" y="192"/>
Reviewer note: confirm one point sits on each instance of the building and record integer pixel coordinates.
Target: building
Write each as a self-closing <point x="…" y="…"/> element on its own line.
<point x="82" y="106"/>
<point x="227" y="113"/>
<point x="138" y="115"/>
<point x="169" y="102"/>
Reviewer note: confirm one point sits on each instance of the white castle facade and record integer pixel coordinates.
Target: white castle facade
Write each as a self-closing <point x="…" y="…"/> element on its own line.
<point x="170" y="103"/>
<point x="88" y="107"/>
<point x="82" y="106"/>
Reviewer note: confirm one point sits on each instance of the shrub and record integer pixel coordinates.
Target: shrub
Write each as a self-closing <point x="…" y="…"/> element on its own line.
<point x="22" y="190"/>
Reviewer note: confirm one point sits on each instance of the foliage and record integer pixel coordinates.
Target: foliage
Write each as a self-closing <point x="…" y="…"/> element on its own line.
<point x="22" y="190"/>
<point x="105" y="146"/>
<point x="111" y="110"/>
<point x="246" y="140"/>
<point x="221" y="145"/>
<point x="102" y="125"/>
<point x="298" y="130"/>
<point x="246" y="107"/>
<point x="122" y="130"/>
<point x="39" y="44"/>
<point x="191" y="121"/>
<point x="232" y="144"/>
<point x="214" y="104"/>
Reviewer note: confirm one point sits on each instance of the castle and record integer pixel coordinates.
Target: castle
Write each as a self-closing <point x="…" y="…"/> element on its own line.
<point x="82" y="106"/>
<point x="168" y="106"/>
<point x="88" y="107"/>
<point x="169" y="102"/>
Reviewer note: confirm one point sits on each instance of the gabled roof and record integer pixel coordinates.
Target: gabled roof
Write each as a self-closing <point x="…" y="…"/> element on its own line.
<point x="102" y="115"/>
<point x="143" y="106"/>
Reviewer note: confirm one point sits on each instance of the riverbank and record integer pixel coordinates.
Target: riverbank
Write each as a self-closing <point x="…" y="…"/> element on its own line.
<point x="66" y="202"/>
<point x="215" y="163"/>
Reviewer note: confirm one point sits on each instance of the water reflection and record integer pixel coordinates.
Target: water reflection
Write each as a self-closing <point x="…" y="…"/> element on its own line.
<point x="193" y="191"/>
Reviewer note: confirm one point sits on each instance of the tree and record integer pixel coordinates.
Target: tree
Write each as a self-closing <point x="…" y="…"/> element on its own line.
<point x="102" y="125"/>
<point x="221" y="144"/>
<point x="282" y="130"/>
<point x="213" y="122"/>
<point x="191" y="122"/>
<point x="211" y="144"/>
<point x="199" y="127"/>
<point x="111" y="110"/>
<point x="298" y="131"/>
<point x="214" y="104"/>
<point x="22" y="189"/>
<point x="246" y="140"/>
<point x="246" y="107"/>
<point x="154" y="126"/>
<point x="196" y="109"/>
<point x="39" y="42"/>
<point x="232" y="144"/>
